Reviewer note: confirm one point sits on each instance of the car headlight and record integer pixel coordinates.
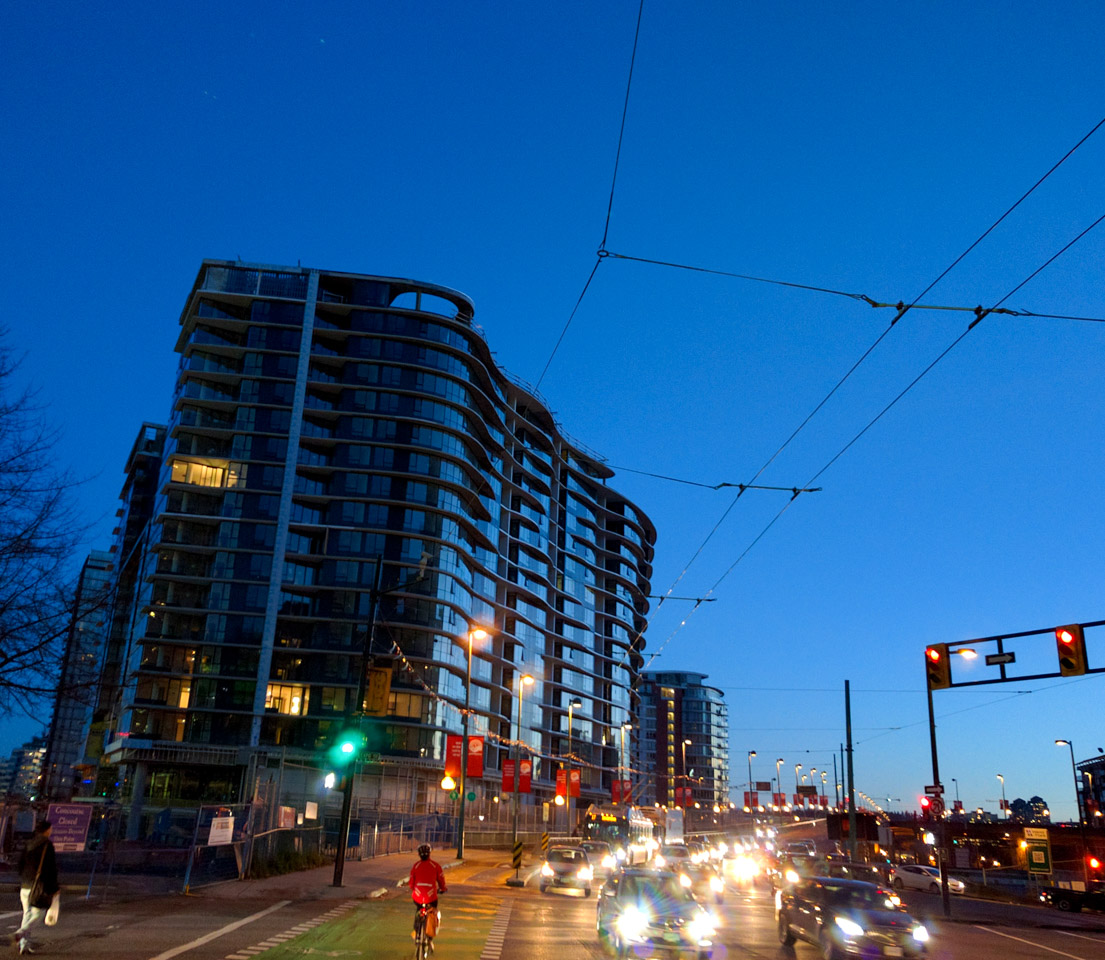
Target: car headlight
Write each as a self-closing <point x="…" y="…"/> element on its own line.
<point x="791" y="876"/>
<point x="608" y="862"/>
<point x="546" y="870"/>
<point x="921" y="934"/>
<point x="660" y="861"/>
<point x="702" y="928"/>
<point x="849" y="927"/>
<point x="723" y="848"/>
<point x="684" y="880"/>
<point x="716" y="885"/>
<point x="585" y="873"/>
<point x="619" y="853"/>
<point x="633" y="923"/>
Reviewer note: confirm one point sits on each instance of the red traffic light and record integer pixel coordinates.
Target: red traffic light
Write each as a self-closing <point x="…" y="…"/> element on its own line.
<point x="1093" y="862"/>
<point x="938" y="671"/>
<point x="1070" y="645"/>
<point x="925" y="803"/>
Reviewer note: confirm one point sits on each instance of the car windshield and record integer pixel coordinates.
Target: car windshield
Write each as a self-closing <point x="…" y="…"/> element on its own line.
<point x="674" y="850"/>
<point x="567" y="856"/>
<point x="658" y="892"/>
<point x="862" y="898"/>
<point x="599" y="848"/>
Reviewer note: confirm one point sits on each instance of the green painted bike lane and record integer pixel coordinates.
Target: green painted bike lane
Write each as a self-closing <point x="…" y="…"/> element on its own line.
<point x="382" y="928"/>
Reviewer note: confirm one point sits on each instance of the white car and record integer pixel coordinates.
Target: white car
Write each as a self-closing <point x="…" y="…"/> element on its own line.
<point x="916" y="876"/>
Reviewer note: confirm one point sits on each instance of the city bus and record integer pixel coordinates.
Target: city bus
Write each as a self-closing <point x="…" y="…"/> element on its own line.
<point x="626" y="829"/>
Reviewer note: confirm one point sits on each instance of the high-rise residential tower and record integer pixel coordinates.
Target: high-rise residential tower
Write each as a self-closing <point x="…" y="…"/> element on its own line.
<point x="335" y="437"/>
<point x="684" y="740"/>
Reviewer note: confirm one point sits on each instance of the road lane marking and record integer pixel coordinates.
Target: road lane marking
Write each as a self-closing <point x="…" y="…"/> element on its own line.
<point x="1031" y="943"/>
<point x="14" y="913"/>
<point x="1080" y="936"/>
<point x="249" y="953"/>
<point x="493" y="947"/>
<point x="222" y="931"/>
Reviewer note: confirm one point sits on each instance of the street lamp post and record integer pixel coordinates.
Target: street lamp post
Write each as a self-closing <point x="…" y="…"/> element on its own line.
<point x="523" y="681"/>
<point x="622" y="765"/>
<point x="572" y="704"/>
<point x="686" y="743"/>
<point x="475" y="633"/>
<point x="751" y="754"/>
<point x="778" y="781"/>
<point x="1004" y="808"/>
<point x="1078" y="803"/>
<point x="797" y="768"/>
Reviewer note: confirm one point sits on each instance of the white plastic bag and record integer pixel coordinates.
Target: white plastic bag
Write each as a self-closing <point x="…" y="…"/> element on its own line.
<point x="52" y="913"/>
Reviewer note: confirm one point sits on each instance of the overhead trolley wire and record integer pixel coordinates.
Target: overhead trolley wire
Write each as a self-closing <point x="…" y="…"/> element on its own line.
<point x="902" y="310"/>
<point x="610" y="203"/>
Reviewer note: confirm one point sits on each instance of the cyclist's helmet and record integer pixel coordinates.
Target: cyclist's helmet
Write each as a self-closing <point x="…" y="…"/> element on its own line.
<point x="424" y="851"/>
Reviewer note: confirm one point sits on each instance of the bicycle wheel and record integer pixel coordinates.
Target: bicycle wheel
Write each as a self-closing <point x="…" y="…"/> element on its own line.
<point x="421" y="941"/>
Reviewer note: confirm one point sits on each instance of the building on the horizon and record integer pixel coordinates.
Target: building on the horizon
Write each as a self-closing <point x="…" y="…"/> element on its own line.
<point x="683" y="748"/>
<point x="324" y="424"/>
<point x="77" y="686"/>
<point x="23" y="771"/>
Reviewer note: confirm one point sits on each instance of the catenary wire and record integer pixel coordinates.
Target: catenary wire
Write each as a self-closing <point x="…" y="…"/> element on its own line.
<point x="610" y="203"/>
<point x="980" y="314"/>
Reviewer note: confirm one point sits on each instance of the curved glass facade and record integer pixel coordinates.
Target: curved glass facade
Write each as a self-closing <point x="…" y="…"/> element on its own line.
<point x="327" y="423"/>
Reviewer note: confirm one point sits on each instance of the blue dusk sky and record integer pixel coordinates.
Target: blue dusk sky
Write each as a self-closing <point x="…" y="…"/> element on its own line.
<point x="858" y="148"/>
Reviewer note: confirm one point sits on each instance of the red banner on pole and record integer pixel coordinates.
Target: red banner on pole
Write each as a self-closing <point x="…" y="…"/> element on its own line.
<point x="573" y="783"/>
<point x="755" y="800"/>
<point x="747" y="800"/>
<point x="525" y="776"/>
<point x="797" y="800"/>
<point x="621" y="791"/>
<point x="508" y="776"/>
<point x="561" y="783"/>
<point x="824" y="800"/>
<point x="454" y="745"/>
<point x="779" y="799"/>
<point x="475" y="757"/>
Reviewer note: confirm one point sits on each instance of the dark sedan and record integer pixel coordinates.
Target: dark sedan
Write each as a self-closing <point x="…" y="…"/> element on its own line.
<point x="566" y="867"/>
<point x="847" y="918"/>
<point x="650" y="913"/>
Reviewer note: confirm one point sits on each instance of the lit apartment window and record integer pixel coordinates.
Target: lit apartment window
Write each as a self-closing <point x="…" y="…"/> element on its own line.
<point x="286" y="698"/>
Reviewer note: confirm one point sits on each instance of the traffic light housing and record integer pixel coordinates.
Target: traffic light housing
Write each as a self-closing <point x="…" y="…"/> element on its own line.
<point x="937" y="666"/>
<point x="926" y="807"/>
<point x="1070" y="644"/>
<point x="345" y="748"/>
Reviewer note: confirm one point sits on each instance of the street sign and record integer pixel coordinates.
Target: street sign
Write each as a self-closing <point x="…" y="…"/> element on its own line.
<point x="545" y="843"/>
<point x="516" y="855"/>
<point x="993" y="659"/>
<point x="1037" y="853"/>
<point x="471" y="795"/>
<point x="936" y="807"/>
<point x="935" y="791"/>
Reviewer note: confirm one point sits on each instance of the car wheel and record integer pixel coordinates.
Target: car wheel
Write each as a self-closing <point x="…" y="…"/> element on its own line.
<point x="786" y="938"/>
<point x="621" y="948"/>
<point x="897" y="884"/>
<point x="587" y="891"/>
<point x="828" y="947"/>
<point x="934" y="888"/>
<point x="1066" y="905"/>
<point x="543" y="888"/>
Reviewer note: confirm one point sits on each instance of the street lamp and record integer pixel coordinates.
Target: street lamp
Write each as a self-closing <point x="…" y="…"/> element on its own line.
<point x="751" y="754"/>
<point x="797" y="767"/>
<point x="623" y="765"/>
<point x="1004" y="808"/>
<point x="572" y="704"/>
<point x="524" y="681"/>
<point x="474" y="634"/>
<point x="1078" y="803"/>
<point x="778" y="782"/>
<point x="686" y="743"/>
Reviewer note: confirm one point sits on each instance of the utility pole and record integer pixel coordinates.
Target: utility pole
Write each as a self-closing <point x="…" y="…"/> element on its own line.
<point x="941" y="827"/>
<point x="852" y="827"/>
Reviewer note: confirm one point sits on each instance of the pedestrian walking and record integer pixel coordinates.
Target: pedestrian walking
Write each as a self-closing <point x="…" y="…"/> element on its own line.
<point x="38" y="884"/>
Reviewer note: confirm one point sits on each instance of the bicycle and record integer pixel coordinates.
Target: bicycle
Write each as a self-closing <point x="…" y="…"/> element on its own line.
<point x="423" y="945"/>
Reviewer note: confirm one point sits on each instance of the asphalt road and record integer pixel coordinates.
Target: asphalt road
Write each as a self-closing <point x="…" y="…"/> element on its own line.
<point x="242" y="922"/>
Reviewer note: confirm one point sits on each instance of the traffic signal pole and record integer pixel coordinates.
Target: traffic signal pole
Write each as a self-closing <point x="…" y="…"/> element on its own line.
<point x="356" y="709"/>
<point x="941" y="823"/>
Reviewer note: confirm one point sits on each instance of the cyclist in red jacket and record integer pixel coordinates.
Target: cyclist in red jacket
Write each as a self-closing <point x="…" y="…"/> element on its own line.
<point x="427" y="879"/>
